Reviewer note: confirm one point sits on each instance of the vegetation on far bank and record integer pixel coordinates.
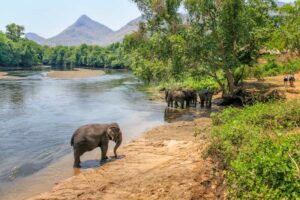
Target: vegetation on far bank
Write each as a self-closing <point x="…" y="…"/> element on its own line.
<point x="259" y="148"/>
<point x="16" y="51"/>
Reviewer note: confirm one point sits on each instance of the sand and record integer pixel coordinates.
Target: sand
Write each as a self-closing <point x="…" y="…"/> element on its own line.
<point x="78" y="73"/>
<point x="166" y="163"/>
<point x="4" y="76"/>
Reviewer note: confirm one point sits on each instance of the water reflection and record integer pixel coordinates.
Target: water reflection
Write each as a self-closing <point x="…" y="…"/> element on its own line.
<point x="188" y="114"/>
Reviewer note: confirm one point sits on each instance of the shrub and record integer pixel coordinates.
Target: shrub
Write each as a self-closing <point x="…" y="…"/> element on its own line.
<point x="260" y="155"/>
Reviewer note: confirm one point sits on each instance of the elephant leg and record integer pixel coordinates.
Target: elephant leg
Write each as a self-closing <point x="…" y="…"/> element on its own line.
<point x="104" y="148"/>
<point x="176" y="104"/>
<point x="202" y="103"/>
<point x="182" y="104"/>
<point x="77" y="161"/>
<point x="187" y="103"/>
<point x="209" y="104"/>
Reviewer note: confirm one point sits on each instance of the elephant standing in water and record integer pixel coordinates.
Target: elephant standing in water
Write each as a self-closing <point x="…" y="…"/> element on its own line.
<point x="190" y="97"/>
<point x="175" y="96"/>
<point x="206" y="97"/>
<point x="89" y="137"/>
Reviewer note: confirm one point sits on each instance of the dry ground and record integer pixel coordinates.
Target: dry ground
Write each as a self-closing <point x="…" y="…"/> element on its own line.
<point x="167" y="163"/>
<point x="276" y="82"/>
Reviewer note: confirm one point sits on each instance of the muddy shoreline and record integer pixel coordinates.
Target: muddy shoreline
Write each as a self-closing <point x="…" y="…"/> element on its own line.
<point x="167" y="162"/>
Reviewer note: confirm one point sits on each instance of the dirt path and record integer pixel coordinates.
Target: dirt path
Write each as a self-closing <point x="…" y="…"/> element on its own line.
<point x="167" y="163"/>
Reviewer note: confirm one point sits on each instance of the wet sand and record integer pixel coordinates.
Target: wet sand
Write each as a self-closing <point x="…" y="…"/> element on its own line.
<point x="78" y="73"/>
<point x="166" y="163"/>
<point x="4" y="76"/>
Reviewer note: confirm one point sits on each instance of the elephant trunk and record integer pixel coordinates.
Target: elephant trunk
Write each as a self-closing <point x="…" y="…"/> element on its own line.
<point x="118" y="143"/>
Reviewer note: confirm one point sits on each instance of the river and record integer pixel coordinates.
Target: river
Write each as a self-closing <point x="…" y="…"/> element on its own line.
<point x="38" y="115"/>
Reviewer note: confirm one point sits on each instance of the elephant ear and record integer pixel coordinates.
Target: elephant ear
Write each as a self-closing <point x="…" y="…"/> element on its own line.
<point x="112" y="131"/>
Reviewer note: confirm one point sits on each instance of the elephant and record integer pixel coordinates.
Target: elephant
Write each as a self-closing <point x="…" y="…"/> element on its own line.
<point x="205" y="96"/>
<point x="190" y="97"/>
<point x="175" y="96"/>
<point x="88" y="137"/>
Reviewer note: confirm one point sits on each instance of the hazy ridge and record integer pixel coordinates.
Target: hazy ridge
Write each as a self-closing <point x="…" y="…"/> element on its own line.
<point x="87" y="31"/>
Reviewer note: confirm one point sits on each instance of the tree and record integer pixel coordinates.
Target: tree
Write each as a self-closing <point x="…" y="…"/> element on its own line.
<point x="6" y="56"/>
<point x="289" y="30"/>
<point x="220" y="40"/>
<point x="14" y="31"/>
<point x="229" y="35"/>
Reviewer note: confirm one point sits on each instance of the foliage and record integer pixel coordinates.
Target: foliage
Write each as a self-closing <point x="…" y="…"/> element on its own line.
<point x="190" y="82"/>
<point x="287" y="35"/>
<point x="260" y="150"/>
<point x="14" y="31"/>
<point x="17" y="51"/>
<point x="221" y="38"/>
<point x="273" y="68"/>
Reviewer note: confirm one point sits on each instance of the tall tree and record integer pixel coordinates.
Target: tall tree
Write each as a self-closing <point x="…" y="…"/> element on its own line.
<point x="14" y="31"/>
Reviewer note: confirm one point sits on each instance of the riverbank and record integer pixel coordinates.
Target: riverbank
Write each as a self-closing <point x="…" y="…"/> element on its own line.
<point x="78" y="73"/>
<point x="5" y="76"/>
<point x="166" y="163"/>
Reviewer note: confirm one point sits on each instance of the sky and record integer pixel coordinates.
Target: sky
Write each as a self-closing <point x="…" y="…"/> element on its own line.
<point x="49" y="17"/>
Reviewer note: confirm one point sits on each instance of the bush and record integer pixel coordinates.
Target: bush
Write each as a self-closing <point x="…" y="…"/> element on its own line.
<point x="260" y="155"/>
<point x="273" y="69"/>
<point x="190" y="82"/>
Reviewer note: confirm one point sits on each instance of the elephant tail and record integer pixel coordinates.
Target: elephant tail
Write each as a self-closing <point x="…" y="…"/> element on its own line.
<point x="72" y="140"/>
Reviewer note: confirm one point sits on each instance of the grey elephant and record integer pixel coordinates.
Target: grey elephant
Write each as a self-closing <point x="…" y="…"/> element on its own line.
<point x="190" y="97"/>
<point x="88" y="137"/>
<point x="205" y="96"/>
<point x="175" y="96"/>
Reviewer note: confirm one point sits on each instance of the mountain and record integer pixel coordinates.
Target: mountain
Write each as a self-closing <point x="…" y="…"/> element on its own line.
<point x="35" y="37"/>
<point x="87" y="31"/>
<point x="132" y="26"/>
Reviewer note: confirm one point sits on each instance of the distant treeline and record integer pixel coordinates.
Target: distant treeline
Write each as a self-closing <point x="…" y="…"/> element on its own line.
<point x="16" y="51"/>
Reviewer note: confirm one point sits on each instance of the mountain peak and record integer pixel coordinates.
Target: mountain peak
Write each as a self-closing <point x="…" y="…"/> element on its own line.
<point x="87" y="31"/>
<point x="83" y="19"/>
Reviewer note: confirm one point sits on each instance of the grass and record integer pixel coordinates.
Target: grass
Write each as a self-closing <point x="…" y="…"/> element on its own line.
<point x="259" y="149"/>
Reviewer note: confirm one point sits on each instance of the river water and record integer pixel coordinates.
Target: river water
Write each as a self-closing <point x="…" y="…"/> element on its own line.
<point x="38" y="115"/>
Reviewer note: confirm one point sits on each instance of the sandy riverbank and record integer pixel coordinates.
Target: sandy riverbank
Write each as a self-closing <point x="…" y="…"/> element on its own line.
<point x="4" y="75"/>
<point x="166" y="163"/>
<point x="78" y="73"/>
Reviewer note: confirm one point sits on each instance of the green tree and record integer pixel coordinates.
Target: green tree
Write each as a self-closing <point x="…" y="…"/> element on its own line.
<point x="6" y="56"/>
<point x="289" y="30"/>
<point x="228" y="36"/>
<point x="14" y="31"/>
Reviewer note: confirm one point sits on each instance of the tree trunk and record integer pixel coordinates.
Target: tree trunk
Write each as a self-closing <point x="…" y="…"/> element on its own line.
<point x="230" y="81"/>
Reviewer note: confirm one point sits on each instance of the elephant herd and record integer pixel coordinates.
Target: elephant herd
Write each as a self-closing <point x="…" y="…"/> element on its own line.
<point x="187" y="98"/>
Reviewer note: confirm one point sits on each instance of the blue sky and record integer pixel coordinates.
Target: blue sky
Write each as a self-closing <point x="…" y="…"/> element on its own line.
<point x="49" y="17"/>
